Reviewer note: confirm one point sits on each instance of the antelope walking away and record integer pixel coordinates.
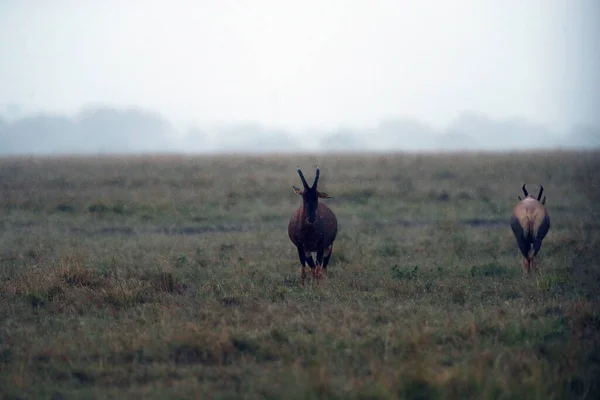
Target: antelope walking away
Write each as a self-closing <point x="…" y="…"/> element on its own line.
<point x="530" y="223"/>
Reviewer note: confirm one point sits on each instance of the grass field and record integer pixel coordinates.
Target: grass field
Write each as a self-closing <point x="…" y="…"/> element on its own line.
<point x="166" y="276"/>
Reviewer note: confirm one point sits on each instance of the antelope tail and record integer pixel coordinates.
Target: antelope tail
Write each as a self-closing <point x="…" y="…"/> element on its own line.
<point x="530" y="231"/>
<point x="528" y="226"/>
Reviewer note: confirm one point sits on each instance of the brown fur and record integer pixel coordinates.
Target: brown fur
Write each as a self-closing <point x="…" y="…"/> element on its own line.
<point x="315" y="236"/>
<point x="530" y="223"/>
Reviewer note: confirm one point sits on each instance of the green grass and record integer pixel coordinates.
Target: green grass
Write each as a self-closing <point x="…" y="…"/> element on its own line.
<point x="173" y="277"/>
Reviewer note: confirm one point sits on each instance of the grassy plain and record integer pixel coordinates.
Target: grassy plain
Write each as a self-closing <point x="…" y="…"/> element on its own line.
<point x="171" y="276"/>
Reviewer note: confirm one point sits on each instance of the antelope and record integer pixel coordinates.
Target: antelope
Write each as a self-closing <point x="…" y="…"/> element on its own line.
<point x="312" y="228"/>
<point x="530" y="223"/>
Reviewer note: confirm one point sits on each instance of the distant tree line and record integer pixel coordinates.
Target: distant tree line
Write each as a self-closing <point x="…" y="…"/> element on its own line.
<point x="112" y="130"/>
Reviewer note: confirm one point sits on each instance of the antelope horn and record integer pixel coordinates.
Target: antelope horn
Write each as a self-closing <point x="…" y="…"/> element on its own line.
<point x="302" y="178"/>
<point x="314" y="185"/>
<point x="540" y="193"/>
<point x="525" y="191"/>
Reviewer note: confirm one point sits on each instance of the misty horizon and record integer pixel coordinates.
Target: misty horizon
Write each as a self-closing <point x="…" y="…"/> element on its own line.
<point x="106" y="130"/>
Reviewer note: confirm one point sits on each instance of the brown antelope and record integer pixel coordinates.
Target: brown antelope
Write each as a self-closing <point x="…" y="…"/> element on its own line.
<point x="312" y="228"/>
<point x="530" y="223"/>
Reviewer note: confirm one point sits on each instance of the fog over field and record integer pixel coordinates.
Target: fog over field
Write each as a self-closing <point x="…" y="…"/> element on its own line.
<point x="111" y="130"/>
<point x="268" y="76"/>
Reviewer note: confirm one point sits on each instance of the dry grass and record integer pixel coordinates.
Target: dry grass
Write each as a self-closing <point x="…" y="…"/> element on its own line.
<point x="153" y="277"/>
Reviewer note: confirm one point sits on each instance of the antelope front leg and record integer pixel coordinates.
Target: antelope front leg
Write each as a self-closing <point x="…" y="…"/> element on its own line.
<point x="302" y="257"/>
<point x="320" y="253"/>
<point x="311" y="263"/>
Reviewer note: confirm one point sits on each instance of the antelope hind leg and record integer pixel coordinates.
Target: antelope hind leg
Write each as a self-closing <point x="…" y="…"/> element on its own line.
<point x="526" y="267"/>
<point x="320" y="252"/>
<point x="328" y="251"/>
<point x="534" y="264"/>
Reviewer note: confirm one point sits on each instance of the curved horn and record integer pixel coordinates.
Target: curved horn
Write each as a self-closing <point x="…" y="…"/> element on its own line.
<point x="302" y="178"/>
<point x="540" y="193"/>
<point x="525" y="191"/>
<point x="314" y="185"/>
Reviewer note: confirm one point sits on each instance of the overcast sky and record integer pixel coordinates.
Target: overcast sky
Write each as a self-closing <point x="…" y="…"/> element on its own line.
<point x="310" y="63"/>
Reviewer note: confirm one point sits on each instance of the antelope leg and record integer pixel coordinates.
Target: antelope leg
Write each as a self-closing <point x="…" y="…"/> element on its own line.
<point x="302" y="257"/>
<point x="328" y="251"/>
<point x="526" y="266"/>
<point x="310" y="262"/>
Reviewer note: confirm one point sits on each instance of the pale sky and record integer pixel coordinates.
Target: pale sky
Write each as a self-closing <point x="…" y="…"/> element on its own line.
<point x="306" y="64"/>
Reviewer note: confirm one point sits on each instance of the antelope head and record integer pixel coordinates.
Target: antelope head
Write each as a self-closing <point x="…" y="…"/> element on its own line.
<point x="310" y="196"/>
<point x="539" y="196"/>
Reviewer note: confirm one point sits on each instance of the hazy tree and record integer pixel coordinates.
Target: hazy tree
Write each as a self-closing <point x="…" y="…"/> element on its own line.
<point x="344" y="140"/>
<point x="124" y="131"/>
<point x="40" y="134"/>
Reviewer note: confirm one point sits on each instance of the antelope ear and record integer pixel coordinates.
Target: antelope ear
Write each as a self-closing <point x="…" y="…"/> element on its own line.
<point x="298" y="191"/>
<point x="544" y="201"/>
<point x="324" y="195"/>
